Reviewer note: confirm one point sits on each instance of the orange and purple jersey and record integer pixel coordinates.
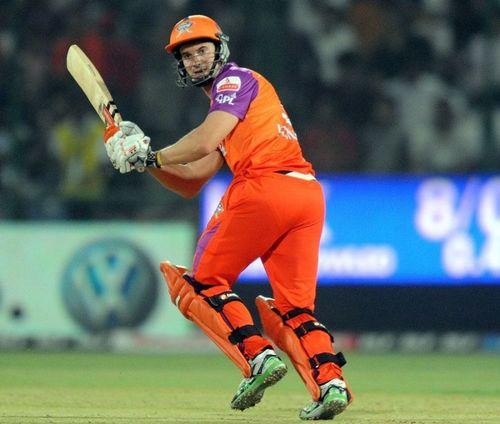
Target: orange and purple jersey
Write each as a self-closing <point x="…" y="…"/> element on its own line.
<point x="264" y="139"/>
<point x="275" y="216"/>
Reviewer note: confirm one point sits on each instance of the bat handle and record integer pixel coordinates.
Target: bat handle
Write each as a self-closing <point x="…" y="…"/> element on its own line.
<point x="110" y="131"/>
<point x="111" y="127"/>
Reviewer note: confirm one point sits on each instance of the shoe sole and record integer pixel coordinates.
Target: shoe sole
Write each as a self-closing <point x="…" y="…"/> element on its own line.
<point x="334" y="408"/>
<point x="329" y="411"/>
<point x="254" y="396"/>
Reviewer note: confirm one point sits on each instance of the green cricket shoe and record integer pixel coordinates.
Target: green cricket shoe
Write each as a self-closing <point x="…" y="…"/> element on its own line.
<point x="333" y="401"/>
<point x="267" y="369"/>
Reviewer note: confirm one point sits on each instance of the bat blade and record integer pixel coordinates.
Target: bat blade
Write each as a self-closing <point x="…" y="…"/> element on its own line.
<point x="92" y="84"/>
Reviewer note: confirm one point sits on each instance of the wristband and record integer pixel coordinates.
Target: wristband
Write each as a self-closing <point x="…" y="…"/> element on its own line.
<point x="158" y="159"/>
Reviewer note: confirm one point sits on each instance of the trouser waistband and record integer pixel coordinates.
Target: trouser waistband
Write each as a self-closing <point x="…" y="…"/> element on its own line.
<point x="295" y="174"/>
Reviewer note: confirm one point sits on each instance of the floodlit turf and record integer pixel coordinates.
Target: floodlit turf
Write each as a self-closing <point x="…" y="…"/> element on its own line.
<point x="83" y="388"/>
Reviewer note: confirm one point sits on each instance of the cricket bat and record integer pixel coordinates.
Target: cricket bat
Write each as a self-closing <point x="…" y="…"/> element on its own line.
<point x="92" y="84"/>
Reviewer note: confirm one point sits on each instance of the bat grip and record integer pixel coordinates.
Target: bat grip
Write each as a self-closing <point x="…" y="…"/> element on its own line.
<point x="110" y="131"/>
<point x="107" y="116"/>
<point x="111" y="127"/>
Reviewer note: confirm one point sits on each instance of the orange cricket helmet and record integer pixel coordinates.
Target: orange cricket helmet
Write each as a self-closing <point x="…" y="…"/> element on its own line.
<point x="192" y="28"/>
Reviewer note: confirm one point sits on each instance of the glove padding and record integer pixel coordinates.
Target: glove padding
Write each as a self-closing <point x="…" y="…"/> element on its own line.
<point x="129" y="151"/>
<point x="126" y="128"/>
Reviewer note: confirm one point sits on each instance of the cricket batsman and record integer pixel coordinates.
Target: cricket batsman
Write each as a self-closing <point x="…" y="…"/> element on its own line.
<point x="273" y="209"/>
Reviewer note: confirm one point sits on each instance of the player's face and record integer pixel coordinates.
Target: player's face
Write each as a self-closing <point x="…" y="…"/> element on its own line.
<point x="198" y="59"/>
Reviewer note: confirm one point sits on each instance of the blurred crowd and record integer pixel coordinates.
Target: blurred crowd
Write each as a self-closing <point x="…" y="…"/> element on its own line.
<point x="372" y="86"/>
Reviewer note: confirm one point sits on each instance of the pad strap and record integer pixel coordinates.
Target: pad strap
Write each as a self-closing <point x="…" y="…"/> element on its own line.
<point x="218" y="301"/>
<point x="325" y="357"/>
<point x="241" y="333"/>
<point x="309" y="326"/>
<point x="296" y="312"/>
<point x="197" y="286"/>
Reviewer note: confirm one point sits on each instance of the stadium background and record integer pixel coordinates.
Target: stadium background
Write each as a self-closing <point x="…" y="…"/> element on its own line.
<point x="399" y="89"/>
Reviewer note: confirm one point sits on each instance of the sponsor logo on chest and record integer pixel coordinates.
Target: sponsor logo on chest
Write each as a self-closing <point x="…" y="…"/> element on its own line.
<point x="228" y="84"/>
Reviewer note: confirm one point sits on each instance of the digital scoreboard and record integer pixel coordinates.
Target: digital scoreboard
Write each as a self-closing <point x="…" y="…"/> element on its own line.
<point x="401" y="229"/>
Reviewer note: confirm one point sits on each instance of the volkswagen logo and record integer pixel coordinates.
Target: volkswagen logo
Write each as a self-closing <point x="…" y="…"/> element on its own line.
<point x="109" y="283"/>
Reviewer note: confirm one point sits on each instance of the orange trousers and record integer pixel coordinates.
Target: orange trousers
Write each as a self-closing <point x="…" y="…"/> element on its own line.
<point x="279" y="219"/>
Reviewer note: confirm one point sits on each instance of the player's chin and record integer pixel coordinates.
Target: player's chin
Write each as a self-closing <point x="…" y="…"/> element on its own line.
<point x="198" y="76"/>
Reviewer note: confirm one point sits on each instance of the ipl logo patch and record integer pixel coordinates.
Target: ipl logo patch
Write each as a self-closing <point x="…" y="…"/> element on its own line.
<point x="109" y="284"/>
<point x="225" y="98"/>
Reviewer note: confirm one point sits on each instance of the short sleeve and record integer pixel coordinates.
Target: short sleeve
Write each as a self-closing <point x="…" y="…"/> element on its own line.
<point x="233" y="93"/>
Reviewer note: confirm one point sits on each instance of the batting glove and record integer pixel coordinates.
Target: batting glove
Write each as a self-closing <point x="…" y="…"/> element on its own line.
<point x="130" y="150"/>
<point x="110" y="145"/>
<point x="112" y="139"/>
<point x="129" y="128"/>
<point x="143" y="161"/>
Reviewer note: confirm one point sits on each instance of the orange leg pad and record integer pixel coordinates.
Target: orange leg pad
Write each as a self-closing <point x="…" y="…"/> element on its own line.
<point x="285" y="339"/>
<point x="194" y="308"/>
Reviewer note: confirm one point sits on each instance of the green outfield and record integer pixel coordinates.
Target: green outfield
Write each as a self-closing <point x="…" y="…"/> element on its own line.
<point x="83" y="388"/>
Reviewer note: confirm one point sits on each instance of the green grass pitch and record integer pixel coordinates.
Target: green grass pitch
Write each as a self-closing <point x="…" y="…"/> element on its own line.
<point x="105" y="388"/>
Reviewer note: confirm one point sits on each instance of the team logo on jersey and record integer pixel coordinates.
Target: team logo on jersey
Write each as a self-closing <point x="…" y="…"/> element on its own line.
<point x="183" y="27"/>
<point x="229" y="84"/>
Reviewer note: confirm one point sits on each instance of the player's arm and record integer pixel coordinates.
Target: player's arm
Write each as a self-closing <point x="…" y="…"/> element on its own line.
<point x="132" y="150"/>
<point x="189" y="163"/>
<point x="187" y="180"/>
<point x="201" y="141"/>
